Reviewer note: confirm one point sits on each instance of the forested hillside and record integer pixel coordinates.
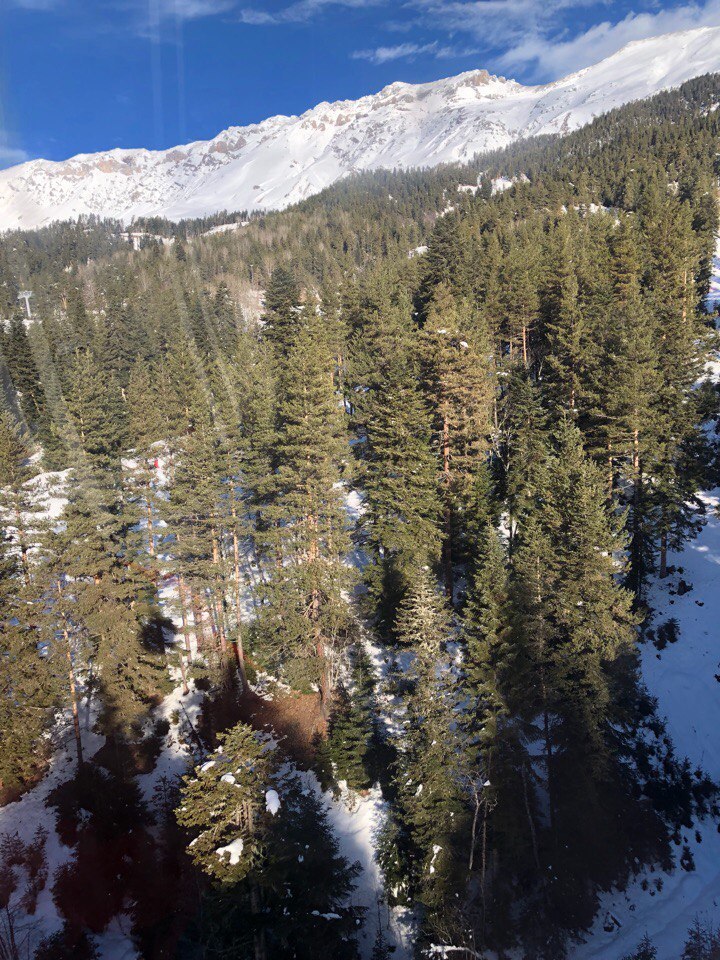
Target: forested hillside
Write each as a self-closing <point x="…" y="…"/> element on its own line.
<point x="362" y="507"/>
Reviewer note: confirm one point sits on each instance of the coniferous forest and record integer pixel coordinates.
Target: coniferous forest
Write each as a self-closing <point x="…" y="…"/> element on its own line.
<point x="360" y="505"/>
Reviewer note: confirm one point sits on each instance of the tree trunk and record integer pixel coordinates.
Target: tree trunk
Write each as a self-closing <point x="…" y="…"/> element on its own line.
<point x="663" y="554"/>
<point x="72" y="688"/>
<point x="636" y="545"/>
<point x="183" y="674"/>
<point x="548" y="766"/>
<point x="476" y="812"/>
<point x="447" y="560"/>
<point x="238" y="645"/>
<point x="74" y="703"/>
<point x="151" y="529"/>
<point x="183" y="615"/>
<point x="483" y="865"/>
<point x="531" y="823"/>
<point x="259" y="945"/>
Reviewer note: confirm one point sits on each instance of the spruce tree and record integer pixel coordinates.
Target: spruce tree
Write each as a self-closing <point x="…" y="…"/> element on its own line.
<point x="305" y="524"/>
<point x="27" y="692"/>
<point x="399" y="468"/>
<point x="224" y="805"/>
<point x="572" y="623"/>
<point x="350" y="728"/>
<point x="18" y="503"/>
<point x="282" y="308"/>
<point x="93" y="552"/>
<point x="461" y="387"/>
<point x="431" y="761"/>
<point x="23" y="370"/>
<point x="634" y="419"/>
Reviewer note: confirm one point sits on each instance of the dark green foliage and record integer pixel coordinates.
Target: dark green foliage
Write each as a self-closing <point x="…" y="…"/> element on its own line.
<point x="399" y="468"/>
<point x="282" y="305"/>
<point x="17" y="353"/>
<point x="350" y="729"/>
<point x="304" y="531"/>
<point x="431" y="764"/>
<point x="703" y="943"/>
<point x="292" y="902"/>
<point x="645" y="950"/>
<point x="27" y="688"/>
<point x="67" y="944"/>
<point x="524" y="420"/>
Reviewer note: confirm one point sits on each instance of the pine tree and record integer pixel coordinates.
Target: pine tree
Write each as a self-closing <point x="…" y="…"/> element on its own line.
<point x="17" y="503"/>
<point x="431" y="761"/>
<point x="399" y="469"/>
<point x="245" y="394"/>
<point x="27" y="693"/>
<point x="634" y="420"/>
<point x="305" y="522"/>
<point x="524" y="446"/>
<point x="145" y="435"/>
<point x="224" y="320"/>
<point x="96" y="415"/>
<point x="93" y="573"/>
<point x="117" y="338"/>
<point x="672" y="269"/>
<point x="645" y="950"/>
<point x="81" y="327"/>
<point x="282" y="308"/>
<point x="570" y="343"/>
<point x="520" y="296"/>
<point x="460" y="383"/>
<point x="381" y="949"/>
<point x="350" y="728"/>
<point x="192" y="513"/>
<point x="292" y="899"/>
<point x="224" y="805"/>
<point x="572" y="623"/>
<point x="498" y="780"/>
<point x="18" y="354"/>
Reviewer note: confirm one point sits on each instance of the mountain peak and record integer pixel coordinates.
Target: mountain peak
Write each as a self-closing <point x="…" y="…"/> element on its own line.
<point x="287" y="158"/>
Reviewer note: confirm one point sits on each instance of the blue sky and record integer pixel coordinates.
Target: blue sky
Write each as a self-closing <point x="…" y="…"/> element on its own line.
<point x="85" y="75"/>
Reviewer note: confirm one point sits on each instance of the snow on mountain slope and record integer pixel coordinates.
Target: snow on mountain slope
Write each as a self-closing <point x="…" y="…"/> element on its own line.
<point x="285" y="159"/>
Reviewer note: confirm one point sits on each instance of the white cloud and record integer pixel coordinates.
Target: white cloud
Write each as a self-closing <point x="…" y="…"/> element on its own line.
<point x="299" y="12"/>
<point x="34" y="4"/>
<point x="537" y="35"/>
<point x="498" y="22"/>
<point x="552" y="58"/>
<point x="193" y="9"/>
<point x="408" y="51"/>
<point x="156" y="10"/>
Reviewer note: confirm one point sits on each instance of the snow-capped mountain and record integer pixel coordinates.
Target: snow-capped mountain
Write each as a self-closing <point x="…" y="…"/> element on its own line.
<point x="285" y="159"/>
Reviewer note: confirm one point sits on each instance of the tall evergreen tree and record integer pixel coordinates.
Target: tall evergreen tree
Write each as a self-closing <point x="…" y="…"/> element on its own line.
<point x="399" y="469"/>
<point x="305" y="520"/>
<point x="431" y="761"/>
<point x="460" y="383"/>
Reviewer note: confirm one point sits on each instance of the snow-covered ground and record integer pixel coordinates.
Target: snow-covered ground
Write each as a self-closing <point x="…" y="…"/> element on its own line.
<point x="356" y="821"/>
<point x="23" y="817"/>
<point x="685" y="679"/>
